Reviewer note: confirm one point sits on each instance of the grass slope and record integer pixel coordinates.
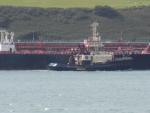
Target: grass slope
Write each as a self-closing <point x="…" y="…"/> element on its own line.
<point x="74" y="24"/>
<point x="75" y="3"/>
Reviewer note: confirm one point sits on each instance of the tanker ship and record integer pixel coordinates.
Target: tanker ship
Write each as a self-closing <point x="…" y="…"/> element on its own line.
<point x="38" y="55"/>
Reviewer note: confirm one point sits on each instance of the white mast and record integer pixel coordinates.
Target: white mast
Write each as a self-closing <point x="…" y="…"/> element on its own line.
<point x="96" y="38"/>
<point x="95" y="32"/>
<point x="94" y="42"/>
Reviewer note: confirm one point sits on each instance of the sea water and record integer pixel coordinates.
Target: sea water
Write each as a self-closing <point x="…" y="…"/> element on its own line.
<point x="74" y="92"/>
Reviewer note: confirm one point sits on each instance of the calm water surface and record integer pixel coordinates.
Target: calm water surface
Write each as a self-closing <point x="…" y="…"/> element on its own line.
<point x="74" y="92"/>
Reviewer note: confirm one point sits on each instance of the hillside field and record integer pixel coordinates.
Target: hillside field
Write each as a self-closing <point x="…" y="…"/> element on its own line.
<point x="73" y="24"/>
<point x="75" y="3"/>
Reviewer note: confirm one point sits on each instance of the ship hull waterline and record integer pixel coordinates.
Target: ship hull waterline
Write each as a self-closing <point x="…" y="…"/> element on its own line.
<point x="29" y="61"/>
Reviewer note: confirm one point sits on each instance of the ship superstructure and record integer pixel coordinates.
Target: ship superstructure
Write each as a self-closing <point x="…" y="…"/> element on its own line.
<point x="7" y="41"/>
<point x="94" y="45"/>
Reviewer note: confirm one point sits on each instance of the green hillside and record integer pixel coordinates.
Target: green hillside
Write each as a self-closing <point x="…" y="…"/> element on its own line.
<point x="75" y="3"/>
<point x="56" y="24"/>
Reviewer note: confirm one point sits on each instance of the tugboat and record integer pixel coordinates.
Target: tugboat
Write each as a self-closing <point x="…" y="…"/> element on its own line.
<point x="103" y="61"/>
<point x="96" y="59"/>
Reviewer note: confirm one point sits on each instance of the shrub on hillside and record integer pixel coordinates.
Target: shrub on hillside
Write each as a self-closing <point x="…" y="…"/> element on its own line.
<point x="106" y="11"/>
<point x="4" y="22"/>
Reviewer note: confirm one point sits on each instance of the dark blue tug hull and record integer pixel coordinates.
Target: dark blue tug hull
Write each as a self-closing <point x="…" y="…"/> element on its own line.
<point x="29" y="61"/>
<point x="137" y="62"/>
<point x="110" y="66"/>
